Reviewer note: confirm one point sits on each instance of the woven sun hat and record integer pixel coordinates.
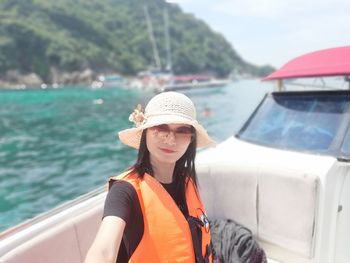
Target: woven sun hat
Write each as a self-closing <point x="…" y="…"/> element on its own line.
<point x="164" y="108"/>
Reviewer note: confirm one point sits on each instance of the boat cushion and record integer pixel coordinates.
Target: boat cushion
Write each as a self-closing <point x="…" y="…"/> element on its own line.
<point x="57" y="245"/>
<point x="229" y="195"/>
<point x="68" y="241"/>
<point x="287" y="209"/>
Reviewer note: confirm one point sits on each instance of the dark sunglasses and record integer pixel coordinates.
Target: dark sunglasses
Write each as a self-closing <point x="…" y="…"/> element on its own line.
<point x="182" y="131"/>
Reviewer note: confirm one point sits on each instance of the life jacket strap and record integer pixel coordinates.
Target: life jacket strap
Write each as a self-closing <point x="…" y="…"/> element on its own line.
<point x="208" y="253"/>
<point x="196" y="233"/>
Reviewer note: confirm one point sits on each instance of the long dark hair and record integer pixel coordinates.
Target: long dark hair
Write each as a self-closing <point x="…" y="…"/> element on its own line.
<point x="184" y="167"/>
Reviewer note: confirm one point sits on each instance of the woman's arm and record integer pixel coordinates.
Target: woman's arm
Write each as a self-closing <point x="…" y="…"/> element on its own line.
<point x="106" y="245"/>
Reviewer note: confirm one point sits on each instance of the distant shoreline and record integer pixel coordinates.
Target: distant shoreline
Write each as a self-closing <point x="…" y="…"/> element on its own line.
<point x="15" y="80"/>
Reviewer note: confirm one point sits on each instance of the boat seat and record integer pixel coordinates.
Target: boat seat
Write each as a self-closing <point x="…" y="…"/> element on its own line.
<point x="277" y="205"/>
<point x="65" y="242"/>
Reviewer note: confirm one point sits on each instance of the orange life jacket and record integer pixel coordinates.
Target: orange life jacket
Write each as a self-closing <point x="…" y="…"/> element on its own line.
<point x="167" y="235"/>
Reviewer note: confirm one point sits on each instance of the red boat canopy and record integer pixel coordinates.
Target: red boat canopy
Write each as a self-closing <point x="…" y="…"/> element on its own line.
<point x="328" y="62"/>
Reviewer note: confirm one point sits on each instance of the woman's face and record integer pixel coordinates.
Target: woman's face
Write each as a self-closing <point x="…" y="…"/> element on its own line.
<point x="166" y="143"/>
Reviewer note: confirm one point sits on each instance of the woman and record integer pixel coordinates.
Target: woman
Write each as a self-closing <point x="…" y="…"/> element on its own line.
<point x="153" y="212"/>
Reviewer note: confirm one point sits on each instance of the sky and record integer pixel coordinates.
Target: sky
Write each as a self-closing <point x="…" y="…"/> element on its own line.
<point x="275" y="31"/>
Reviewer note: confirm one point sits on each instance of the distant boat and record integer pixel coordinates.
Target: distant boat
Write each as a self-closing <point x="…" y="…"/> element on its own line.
<point x="150" y="79"/>
<point x="160" y="81"/>
<point x="162" y="78"/>
<point x="185" y="82"/>
<point x="113" y="80"/>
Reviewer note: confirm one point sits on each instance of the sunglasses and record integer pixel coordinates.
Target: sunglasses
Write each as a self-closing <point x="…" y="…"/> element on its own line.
<point x="182" y="132"/>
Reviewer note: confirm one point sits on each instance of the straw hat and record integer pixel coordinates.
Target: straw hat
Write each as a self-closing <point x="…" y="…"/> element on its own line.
<point x="164" y="108"/>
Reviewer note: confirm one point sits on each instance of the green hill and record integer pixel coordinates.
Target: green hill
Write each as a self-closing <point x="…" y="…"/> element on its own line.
<point x="108" y="35"/>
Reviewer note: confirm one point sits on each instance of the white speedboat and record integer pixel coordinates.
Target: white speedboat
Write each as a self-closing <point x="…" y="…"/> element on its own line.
<point x="286" y="173"/>
<point x="285" y="176"/>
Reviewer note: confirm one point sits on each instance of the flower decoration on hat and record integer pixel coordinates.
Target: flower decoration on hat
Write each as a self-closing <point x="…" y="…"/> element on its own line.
<point x="137" y="117"/>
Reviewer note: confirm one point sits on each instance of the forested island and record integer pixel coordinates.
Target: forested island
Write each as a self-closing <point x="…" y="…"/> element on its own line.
<point x="64" y="41"/>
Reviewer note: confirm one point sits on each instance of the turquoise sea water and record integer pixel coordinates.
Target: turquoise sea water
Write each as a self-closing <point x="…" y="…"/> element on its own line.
<point x="57" y="144"/>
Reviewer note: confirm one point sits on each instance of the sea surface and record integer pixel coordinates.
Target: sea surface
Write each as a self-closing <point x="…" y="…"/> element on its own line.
<point x="56" y="144"/>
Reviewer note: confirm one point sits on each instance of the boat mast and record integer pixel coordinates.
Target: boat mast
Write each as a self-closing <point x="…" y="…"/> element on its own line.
<point x="167" y="39"/>
<point x="151" y="36"/>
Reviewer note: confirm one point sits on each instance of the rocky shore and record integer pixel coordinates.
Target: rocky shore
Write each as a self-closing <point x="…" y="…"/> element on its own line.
<point x="13" y="79"/>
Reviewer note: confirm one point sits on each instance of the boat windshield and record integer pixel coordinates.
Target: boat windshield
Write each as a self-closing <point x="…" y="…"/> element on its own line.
<point x="302" y="121"/>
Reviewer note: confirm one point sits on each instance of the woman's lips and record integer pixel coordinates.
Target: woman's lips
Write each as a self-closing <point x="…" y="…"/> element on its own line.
<point x="166" y="150"/>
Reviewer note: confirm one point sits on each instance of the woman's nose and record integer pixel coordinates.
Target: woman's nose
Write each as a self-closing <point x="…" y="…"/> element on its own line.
<point x="170" y="139"/>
